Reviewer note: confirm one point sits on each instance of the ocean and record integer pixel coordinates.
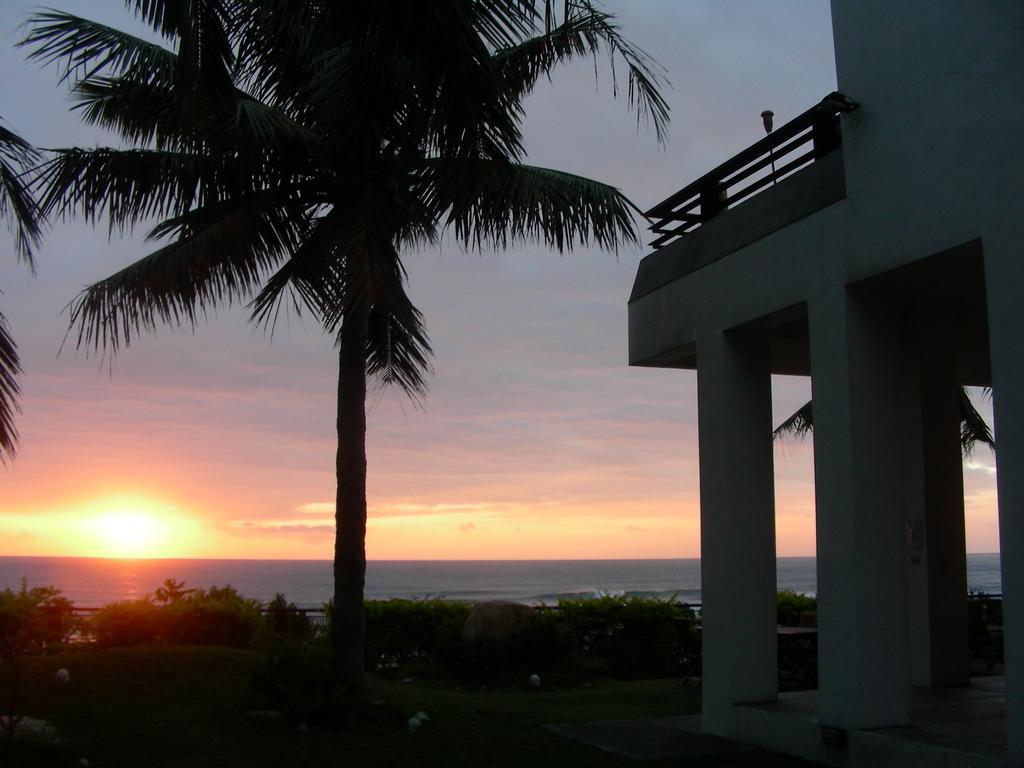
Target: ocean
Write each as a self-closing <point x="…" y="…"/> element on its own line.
<point x="92" y="582"/>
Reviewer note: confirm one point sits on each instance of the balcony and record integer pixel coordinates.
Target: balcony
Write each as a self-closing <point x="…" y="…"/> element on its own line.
<point x="794" y="171"/>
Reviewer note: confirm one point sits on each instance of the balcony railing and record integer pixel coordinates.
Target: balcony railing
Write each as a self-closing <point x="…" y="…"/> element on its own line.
<point x="784" y="151"/>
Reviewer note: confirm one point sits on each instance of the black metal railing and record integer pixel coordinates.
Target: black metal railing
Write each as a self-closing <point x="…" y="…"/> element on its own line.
<point x="784" y="151"/>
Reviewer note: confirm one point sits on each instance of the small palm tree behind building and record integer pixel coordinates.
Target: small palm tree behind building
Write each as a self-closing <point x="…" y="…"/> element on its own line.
<point x="974" y="430"/>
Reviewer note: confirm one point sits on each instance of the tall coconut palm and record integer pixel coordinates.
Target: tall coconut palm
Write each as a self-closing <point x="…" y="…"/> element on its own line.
<point x="973" y="428"/>
<point x="17" y="206"/>
<point x="293" y="150"/>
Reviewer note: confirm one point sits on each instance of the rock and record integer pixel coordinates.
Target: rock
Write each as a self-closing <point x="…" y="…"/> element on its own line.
<point x="63" y="676"/>
<point x="29" y="729"/>
<point x="535" y="681"/>
<point x="497" y="622"/>
<point x="498" y="636"/>
<point x="265" y="714"/>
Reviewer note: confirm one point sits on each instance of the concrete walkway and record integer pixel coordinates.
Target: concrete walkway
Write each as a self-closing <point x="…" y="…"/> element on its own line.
<point x="651" y="738"/>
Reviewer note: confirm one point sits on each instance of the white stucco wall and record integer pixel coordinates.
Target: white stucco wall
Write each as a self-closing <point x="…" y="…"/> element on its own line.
<point x="934" y="158"/>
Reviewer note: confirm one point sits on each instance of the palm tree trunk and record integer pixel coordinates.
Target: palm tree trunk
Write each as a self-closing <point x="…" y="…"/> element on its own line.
<point x="348" y="630"/>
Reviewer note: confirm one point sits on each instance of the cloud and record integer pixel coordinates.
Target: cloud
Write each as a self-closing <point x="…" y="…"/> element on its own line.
<point x="415" y="509"/>
<point x="985" y="499"/>
<point x="278" y="527"/>
<point x="534" y="423"/>
<point x="467" y="527"/>
<point x="316" y="508"/>
<point x="977" y="466"/>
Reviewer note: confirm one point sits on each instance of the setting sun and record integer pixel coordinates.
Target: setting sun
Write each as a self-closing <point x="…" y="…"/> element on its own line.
<point x="129" y="526"/>
<point x="129" y="534"/>
<point x="135" y="527"/>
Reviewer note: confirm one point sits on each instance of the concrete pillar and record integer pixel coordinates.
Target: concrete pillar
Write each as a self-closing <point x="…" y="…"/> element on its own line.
<point x="936" y="555"/>
<point x="737" y="515"/>
<point x="1004" y="283"/>
<point x="863" y="665"/>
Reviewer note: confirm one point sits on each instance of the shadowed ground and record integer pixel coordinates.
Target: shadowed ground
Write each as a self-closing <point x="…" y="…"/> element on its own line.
<point x="186" y="706"/>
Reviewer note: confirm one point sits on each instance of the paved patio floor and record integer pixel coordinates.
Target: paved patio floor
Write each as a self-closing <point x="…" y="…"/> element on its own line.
<point x="952" y="726"/>
<point x="948" y="726"/>
<point x="651" y="738"/>
<point x="971" y="719"/>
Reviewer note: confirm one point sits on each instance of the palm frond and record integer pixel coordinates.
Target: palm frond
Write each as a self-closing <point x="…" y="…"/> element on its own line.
<point x="315" y="262"/>
<point x="457" y="84"/>
<point x="127" y="186"/>
<point x="202" y="30"/>
<point x="218" y="256"/>
<point x="123" y="185"/>
<point x="586" y="30"/>
<point x="499" y="23"/>
<point x="233" y="123"/>
<point x="261" y="125"/>
<point x="343" y="271"/>
<point x="276" y="41"/>
<point x="10" y="367"/>
<point x="140" y="113"/>
<point x="370" y="283"/>
<point x="138" y="88"/>
<point x="973" y="429"/>
<point x="82" y="48"/>
<point x="430" y="79"/>
<point x="797" y="426"/>
<point x="493" y="203"/>
<point x="398" y="348"/>
<point x="17" y="156"/>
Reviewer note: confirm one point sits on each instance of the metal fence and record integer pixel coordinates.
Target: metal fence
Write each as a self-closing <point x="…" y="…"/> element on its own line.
<point x="784" y="151"/>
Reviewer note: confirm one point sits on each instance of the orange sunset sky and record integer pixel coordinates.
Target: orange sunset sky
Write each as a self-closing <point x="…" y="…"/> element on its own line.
<point x="536" y="441"/>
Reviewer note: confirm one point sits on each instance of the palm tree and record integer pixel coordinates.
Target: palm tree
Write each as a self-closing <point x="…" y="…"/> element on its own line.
<point x="19" y="206"/>
<point x="292" y="151"/>
<point x="973" y="428"/>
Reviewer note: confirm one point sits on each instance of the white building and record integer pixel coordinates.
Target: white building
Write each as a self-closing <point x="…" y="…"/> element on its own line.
<point x="887" y="265"/>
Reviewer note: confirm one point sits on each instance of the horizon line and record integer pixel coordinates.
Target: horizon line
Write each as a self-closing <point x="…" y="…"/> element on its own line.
<point x="402" y="560"/>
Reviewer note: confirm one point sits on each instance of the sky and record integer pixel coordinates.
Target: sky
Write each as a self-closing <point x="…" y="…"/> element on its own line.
<point x="536" y="440"/>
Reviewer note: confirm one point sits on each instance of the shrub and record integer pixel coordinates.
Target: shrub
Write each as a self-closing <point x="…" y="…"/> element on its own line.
<point x="214" y="616"/>
<point x="34" y="620"/>
<point x="791" y="604"/>
<point x="990" y="608"/>
<point x="424" y="634"/>
<point x="283" y="619"/>
<point x="629" y="636"/>
<point x="130" y="622"/>
<point x="623" y="637"/>
<point x="503" y="639"/>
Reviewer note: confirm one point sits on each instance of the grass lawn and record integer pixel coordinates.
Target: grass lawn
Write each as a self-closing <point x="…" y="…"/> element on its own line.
<point x="185" y="706"/>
